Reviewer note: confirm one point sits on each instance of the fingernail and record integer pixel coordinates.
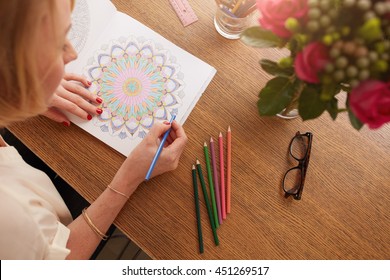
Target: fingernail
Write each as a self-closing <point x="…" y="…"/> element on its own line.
<point x="66" y="124"/>
<point x="99" y="111"/>
<point x="166" y="122"/>
<point x="89" y="83"/>
<point x="89" y="117"/>
<point x="99" y="100"/>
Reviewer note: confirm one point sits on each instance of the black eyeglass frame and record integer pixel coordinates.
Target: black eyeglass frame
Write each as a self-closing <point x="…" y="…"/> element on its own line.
<point x="303" y="164"/>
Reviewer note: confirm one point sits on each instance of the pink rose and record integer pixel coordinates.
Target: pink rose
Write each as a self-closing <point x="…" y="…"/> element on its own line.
<point x="274" y="13"/>
<point x="310" y="61"/>
<point x="370" y="102"/>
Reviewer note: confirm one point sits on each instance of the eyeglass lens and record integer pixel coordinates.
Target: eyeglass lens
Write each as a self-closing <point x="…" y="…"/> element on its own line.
<point x="299" y="147"/>
<point x="292" y="180"/>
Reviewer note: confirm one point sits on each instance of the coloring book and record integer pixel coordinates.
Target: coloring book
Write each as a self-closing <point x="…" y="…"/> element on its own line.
<point x="141" y="76"/>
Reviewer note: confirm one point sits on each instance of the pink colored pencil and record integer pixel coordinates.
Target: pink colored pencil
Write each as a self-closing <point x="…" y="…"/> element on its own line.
<point x="222" y="172"/>
<point x="229" y="169"/>
<point x="216" y="184"/>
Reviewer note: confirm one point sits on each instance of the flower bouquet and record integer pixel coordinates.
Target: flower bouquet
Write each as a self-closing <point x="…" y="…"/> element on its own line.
<point x="336" y="46"/>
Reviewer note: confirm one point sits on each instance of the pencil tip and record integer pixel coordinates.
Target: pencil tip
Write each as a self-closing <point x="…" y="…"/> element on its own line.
<point x="211" y="139"/>
<point x="197" y="161"/>
<point x="229" y="128"/>
<point x="193" y="166"/>
<point x="205" y="144"/>
<point x="220" y="134"/>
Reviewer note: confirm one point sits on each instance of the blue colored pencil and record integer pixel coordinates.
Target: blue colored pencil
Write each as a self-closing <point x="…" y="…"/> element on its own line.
<point x="156" y="156"/>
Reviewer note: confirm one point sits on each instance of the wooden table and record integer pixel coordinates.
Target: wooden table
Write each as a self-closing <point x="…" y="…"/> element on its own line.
<point x="345" y="208"/>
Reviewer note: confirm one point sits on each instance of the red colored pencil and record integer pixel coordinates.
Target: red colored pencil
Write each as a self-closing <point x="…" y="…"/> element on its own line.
<point x="229" y="169"/>
<point x="222" y="172"/>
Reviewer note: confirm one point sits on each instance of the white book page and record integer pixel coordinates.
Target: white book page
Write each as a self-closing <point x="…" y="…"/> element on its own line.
<point x="89" y="18"/>
<point x="142" y="78"/>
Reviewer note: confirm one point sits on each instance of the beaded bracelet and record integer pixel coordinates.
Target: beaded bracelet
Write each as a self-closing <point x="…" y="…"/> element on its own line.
<point x="92" y="226"/>
<point x="118" y="192"/>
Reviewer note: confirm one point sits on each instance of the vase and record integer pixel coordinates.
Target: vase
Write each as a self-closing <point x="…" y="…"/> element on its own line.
<point x="291" y="110"/>
<point x="288" y="113"/>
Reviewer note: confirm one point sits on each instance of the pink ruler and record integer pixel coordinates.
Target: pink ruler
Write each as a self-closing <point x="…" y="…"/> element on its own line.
<point x="184" y="11"/>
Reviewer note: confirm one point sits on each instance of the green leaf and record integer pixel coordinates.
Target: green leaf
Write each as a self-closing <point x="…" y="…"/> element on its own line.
<point x="274" y="69"/>
<point x="260" y="38"/>
<point x="310" y="104"/>
<point x="356" y="123"/>
<point x="332" y="108"/>
<point x="328" y="91"/>
<point x="275" y="96"/>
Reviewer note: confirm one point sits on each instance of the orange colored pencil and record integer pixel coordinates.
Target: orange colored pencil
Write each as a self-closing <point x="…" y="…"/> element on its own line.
<point x="228" y="169"/>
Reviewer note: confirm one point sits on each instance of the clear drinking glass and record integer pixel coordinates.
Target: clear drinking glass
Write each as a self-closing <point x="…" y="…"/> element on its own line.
<point x="233" y="17"/>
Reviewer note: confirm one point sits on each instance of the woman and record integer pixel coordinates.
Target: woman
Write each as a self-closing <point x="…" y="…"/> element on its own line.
<point x="35" y="223"/>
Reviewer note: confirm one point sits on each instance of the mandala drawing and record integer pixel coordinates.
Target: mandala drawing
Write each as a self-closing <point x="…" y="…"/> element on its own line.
<point x="138" y="83"/>
<point x="78" y="34"/>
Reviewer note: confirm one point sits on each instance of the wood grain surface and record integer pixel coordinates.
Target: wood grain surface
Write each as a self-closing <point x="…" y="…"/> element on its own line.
<point x="345" y="208"/>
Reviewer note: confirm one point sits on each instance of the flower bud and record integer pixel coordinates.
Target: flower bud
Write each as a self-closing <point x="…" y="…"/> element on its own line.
<point x="349" y="47"/>
<point x="329" y="68"/>
<point x="352" y="71"/>
<point x="313" y="26"/>
<point x="341" y="62"/>
<point x="371" y="30"/>
<point x="362" y="62"/>
<point x="325" y="21"/>
<point x="381" y="66"/>
<point x="286" y="62"/>
<point x="364" y="4"/>
<point x="314" y="13"/>
<point x="361" y="52"/>
<point x="354" y="83"/>
<point x="327" y="39"/>
<point x="292" y="24"/>
<point x="339" y="75"/>
<point x="364" y="74"/>
<point x="345" y="30"/>
<point x="380" y="47"/>
<point x="349" y="3"/>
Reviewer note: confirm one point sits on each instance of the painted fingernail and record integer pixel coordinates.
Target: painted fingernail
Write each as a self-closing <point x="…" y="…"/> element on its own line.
<point x="99" y="111"/>
<point x="99" y="100"/>
<point x="89" y="117"/>
<point x="166" y="122"/>
<point x="66" y="124"/>
<point x="89" y="83"/>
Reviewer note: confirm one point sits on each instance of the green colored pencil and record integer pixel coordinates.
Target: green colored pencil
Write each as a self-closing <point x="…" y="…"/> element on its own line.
<point x="211" y="184"/>
<point x="206" y="198"/>
<point x="198" y="221"/>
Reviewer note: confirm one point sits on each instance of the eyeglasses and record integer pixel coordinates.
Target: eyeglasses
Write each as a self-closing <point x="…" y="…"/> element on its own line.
<point x="294" y="179"/>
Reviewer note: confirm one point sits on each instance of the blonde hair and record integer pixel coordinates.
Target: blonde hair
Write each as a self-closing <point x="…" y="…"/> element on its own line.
<point x="21" y="94"/>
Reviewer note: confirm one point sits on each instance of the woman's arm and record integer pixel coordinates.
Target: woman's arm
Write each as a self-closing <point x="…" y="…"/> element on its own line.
<point x="83" y="240"/>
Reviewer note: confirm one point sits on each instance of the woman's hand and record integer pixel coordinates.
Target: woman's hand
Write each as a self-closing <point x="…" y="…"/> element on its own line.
<point x="135" y="167"/>
<point x="73" y="97"/>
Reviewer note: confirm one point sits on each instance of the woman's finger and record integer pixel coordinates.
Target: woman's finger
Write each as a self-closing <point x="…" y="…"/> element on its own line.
<point x="56" y="116"/>
<point x="72" y="107"/>
<point x="77" y="78"/>
<point x="81" y="91"/>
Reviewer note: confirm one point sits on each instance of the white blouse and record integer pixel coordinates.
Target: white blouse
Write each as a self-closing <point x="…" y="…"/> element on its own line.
<point x="33" y="216"/>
